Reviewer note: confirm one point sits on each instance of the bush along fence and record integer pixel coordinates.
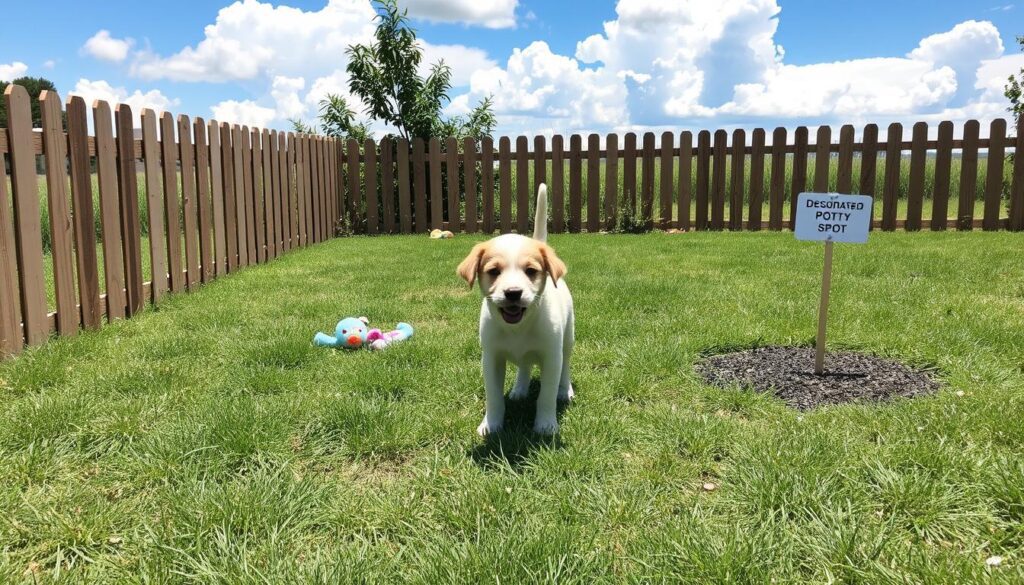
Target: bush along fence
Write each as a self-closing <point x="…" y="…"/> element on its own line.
<point x="215" y="199"/>
<point x="181" y="202"/>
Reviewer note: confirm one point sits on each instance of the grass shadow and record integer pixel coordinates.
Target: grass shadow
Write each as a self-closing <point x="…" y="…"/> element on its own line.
<point x="514" y="446"/>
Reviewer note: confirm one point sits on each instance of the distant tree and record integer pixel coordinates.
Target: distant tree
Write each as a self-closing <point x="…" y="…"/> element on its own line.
<point x="1013" y="89"/>
<point x="34" y="86"/>
<point x="338" y="120"/>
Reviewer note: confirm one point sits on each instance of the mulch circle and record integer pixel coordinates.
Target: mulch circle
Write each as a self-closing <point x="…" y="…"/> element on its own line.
<point x="788" y="372"/>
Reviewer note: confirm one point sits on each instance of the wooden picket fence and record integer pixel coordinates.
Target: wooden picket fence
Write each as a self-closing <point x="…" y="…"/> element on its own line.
<point x="219" y="197"/>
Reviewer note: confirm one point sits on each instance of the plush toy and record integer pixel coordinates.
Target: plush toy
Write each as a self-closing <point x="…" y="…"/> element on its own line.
<point x="350" y="333"/>
<point x="377" y="340"/>
<point x="441" y="235"/>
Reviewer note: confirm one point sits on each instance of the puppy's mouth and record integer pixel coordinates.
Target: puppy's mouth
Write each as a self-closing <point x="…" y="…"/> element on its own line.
<point x="512" y="314"/>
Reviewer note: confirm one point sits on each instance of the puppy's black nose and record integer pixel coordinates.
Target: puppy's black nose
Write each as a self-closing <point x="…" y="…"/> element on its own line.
<point x="513" y="294"/>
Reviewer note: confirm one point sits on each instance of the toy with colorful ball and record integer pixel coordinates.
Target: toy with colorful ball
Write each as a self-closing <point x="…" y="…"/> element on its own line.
<point x="353" y="333"/>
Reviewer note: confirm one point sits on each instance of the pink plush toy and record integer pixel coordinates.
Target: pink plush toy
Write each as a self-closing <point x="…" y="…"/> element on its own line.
<point x="375" y="339"/>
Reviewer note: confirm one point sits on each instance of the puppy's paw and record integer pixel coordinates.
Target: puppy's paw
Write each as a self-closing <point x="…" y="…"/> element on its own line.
<point x="519" y="392"/>
<point x="488" y="427"/>
<point x="546" y="425"/>
<point x="565" y="394"/>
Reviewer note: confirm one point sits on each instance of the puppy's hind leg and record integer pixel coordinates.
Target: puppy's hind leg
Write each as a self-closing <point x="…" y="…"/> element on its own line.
<point x="522" y="386"/>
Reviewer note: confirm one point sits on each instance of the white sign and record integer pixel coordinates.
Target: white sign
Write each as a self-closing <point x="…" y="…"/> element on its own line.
<point x="833" y="217"/>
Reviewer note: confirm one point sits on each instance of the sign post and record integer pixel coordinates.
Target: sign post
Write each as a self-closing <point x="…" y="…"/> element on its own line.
<point x="830" y="217"/>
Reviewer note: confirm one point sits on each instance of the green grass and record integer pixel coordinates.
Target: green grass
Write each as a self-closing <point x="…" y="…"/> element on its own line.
<point x="206" y="440"/>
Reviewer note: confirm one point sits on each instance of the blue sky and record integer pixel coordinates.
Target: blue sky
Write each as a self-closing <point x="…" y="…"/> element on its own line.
<point x="553" y="66"/>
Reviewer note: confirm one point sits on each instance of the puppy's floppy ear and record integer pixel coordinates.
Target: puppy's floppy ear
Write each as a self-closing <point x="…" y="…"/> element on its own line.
<point x="469" y="267"/>
<point x="553" y="265"/>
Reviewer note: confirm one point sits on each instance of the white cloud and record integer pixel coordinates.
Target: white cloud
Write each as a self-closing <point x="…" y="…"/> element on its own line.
<point x="464" y="61"/>
<point x="12" y="71"/>
<point x="91" y="91"/>
<point x="962" y="48"/>
<point x="103" y="46"/>
<point x="487" y="13"/>
<point x="246" y="112"/>
<point x="49" y="64"/>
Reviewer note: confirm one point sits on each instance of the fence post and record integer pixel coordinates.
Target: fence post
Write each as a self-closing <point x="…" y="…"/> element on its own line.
<point x="55" y="149"/>
<point x="994" y="176"/>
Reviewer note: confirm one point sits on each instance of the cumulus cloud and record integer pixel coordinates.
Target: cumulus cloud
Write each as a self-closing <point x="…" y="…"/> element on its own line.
<point x="489" y="13"/>
<point x="92" y="90"/>
<point x="464" y="61"/>
<point x="246" y="112"/>
<point x="107" y="48"/>
<point x="12" y="71"/>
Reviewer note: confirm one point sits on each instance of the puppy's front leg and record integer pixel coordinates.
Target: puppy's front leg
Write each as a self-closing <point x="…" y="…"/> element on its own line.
<point x="546" y="422"/>
<point x="494" y="394"/>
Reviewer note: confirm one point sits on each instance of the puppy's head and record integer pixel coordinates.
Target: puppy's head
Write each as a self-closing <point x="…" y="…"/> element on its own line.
<point x="513" y="271"/>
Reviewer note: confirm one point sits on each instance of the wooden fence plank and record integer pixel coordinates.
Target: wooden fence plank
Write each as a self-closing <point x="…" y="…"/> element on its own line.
<point x="469" y="166"/>
<point x="203" y="201"/>
<point x="242" y="231"/>
<point x="83" y="215"/>
<point x="647" y="181"/>
<point x="915" y="191"/>
<point x="540" y="163"/>
<point x="487" y="183"/>
<point x="11" y="336"/>
<point x="387" y="187"/>
<point x="404" y="178"/>
<point x="869" y="164"/>
<point x="994" y="178"/>
<point x="822" y="160"/>
<point x="611" y="182"/>
<point x="778" y="179"/>
<point x="1017" y="186"/>
<point x="667" y="176"/>
<point x="575" y="180"/>
<point x="322" y="188"/>
<point x="230" y="214"/>
<point x="718" y="179"/>
<point x="739" y="142"/>
<point x="798" y="182"/>
<point x="451" y="151"/>
<point x="557" y="193"/>
<point x="131" y="231"/>
<point x="629" y="157"/>
<point x="298" y="146"/>
<point x="248" y="180"/>
<point x="110" y="212"/>
<point x="333" y="193"/>
<point x="703" y="179"/>
<point x="522" y="185"/>
<point x="309" y="190"/>
<point x="370" y="177"/>
<point x="756" y="179"/>
<point x="593" y="183"/>
<point x="291" y="178"/>
<point x="285" y="203"/>
<point x="436" y="194"/>
<point x="188" y="197"/>
<point x="55" y="149"/>
<point x="420" y="183"/>
<point x="274" y="158"/>
<point x="505" y="184"/>
<point x="685" y="179"/>
<point x="890" y="194"/>
<point x="968" y="175"/>
<point x="264" y="194"/>
<point x="844" y="172"/>
<point x="943" y="161"/>
<point x="354" y="196"/>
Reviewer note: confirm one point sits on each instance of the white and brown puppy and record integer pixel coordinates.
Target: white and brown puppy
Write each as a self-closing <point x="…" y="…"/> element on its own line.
<point x="526" y="318"/>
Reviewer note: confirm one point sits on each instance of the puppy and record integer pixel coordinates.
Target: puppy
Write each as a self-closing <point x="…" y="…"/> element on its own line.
<point x="526" y="318"/>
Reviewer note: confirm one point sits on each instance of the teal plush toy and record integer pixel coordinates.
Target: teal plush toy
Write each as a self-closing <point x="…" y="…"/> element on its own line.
<point x="350" y="333"/>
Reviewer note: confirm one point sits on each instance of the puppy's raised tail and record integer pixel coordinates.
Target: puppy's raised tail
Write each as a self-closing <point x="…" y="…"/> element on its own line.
<point x="540" y="220"/>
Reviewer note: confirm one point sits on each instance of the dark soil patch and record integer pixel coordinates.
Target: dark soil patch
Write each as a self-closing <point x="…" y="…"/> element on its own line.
<point x="788" y="372"/>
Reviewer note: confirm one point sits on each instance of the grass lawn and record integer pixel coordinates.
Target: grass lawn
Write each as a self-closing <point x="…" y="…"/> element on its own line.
<point x="207" y="439"/>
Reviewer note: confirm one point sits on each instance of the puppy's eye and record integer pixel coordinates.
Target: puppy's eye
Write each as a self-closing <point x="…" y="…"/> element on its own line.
<point x="494" y="272"/>
<point x="531" y="272"/>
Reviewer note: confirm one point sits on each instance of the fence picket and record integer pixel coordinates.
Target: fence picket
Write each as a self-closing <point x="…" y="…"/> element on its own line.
<point x="629" y="176"/>
<point x="943" y="160"/>
<point x="110" y="211"/>
<point x="522" y="185"/>
<point x="611" y="182"/>
<point x="685" y="179"/>
<point x="287" y="203"/>
<point x="298" y="159"/>
<point x="703" y="179"/>
<point x="968" y="175"/>
<point x="220" y="253"/>
<point x="469" y="170"/>
<point x="241" y="230"/>
<point x="593" y="183"/>
<point x="890" y="193"/>
<point x="505" y="186"/>
<point x="739" y="144"/>
<point x="647" y="182"/>
<point x="798" y="182"/>
<point x="756" y="179"/>
<point x="274" y="159"/>
<point x="387" y="186"/>
<point x="436" y="194"/>
<point x="251" y="213"/>
<point x="316" y="193"/>
<point x="869" y="163"/>
<point x="540" y="163"/>
<point x="267" y="189"/>
<point x="822" y="160"/>
<point x="666" y="183"/>
<point x="487" y="183"/>
<point x="203" y="201"/>
<point x="131" y="231"/>
<point x="227" y="135"/>
<point x="291" y="178"/>
<point x="352" y="152"/>
<point x="451" y="149"/>
<point x="915" y="191"/>
<point x="188" y="196"/>
<point x="994" y="177"/>
<point x="420" y="183"/>
<point x="575" y="180"/>
<point x="55" y="150"/>
<point x="778" y="180"/>
<point x="404" y="201"/>
<point x="1017" y="186"/>
<point x="82" y="213"/>
<point x="370" y="192"/>
<point x="557" y="192"/>
<point x="11" y="336"/>
<point x="323" y="185"/>
<point x="844" y="174"/>
<point x="718" y="179"/>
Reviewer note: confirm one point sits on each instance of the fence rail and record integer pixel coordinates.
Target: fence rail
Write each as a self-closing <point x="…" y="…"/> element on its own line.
<point x="187" y="201"/>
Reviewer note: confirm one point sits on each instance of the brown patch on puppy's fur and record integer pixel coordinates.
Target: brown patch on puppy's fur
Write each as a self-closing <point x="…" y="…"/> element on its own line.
<point x="470" y="267"/>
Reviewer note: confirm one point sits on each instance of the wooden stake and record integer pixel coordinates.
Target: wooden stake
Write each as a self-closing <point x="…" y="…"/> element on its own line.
<point x="826" y="284"/>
